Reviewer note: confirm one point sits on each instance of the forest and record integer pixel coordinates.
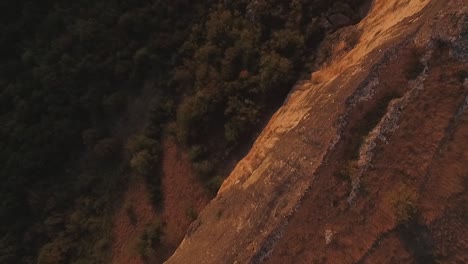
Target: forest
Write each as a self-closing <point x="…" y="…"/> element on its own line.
<point x="214" y="70"/>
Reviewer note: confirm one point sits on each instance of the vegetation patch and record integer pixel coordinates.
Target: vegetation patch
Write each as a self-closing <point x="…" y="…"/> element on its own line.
<point x="191" y="214"/>
<point x="404" y="205"/>
<point x="149" y="240"/>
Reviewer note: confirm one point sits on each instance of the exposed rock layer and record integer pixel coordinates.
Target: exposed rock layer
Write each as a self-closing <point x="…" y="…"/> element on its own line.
<point x="388" y="111"/>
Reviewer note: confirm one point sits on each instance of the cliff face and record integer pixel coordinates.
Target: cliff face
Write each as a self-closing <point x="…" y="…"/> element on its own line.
<point x="366" y="162"/>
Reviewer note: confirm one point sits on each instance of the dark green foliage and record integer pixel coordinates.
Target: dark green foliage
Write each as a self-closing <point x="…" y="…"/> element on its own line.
<point x="197" y="152"/>
<point x="404" y="205"/>
<point x="288" y="43"/>
<point x="215" y="183"/>
<point x="149" y="240"/>
<point x="51" y="253"/>
<point x="107" y="149"/>
<point x="191" y="214"/>
<point x="276" y="72"/>
<point x="204" y="168"/>
<point x="242" y="116"/>
<point x="67" y="71"/>
<point x="144" y="160"/>
<point x="235" y="66"/>
<point x="238" y="64"/>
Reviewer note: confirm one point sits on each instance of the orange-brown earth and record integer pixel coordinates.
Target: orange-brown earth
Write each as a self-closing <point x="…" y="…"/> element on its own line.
<point x="184" y="198"/>
<point x="427" y="153"/>
<point x="384" y="119"/>
<point x="126" y="233"/>
<point x="184" y="195"/>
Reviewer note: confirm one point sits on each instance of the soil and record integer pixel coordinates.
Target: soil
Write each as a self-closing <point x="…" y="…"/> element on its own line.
<point x="184" y="195"/>
<point x="126" y="233"/>
<point x="184" y="198"/>
<point x="422" y="155"/>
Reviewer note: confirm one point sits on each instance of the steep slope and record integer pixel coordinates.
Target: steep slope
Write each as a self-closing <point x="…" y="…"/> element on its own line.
<point x="366" y="162"/>
<point x="184" y="195"/>
<point x="130" y="222"/>
<point x="184" y="198"/>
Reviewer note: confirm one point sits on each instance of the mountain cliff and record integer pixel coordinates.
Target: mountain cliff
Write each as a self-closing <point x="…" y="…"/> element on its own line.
<point x="366" y="162"/>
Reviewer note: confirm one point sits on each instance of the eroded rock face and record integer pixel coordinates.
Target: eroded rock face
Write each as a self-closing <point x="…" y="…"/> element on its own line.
<point x="387" y="113"/>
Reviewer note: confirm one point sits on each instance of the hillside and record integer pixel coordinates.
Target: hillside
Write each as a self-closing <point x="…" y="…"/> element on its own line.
<point x="364" y="163"/>
<point x="222" y="131"/>
<point x="121" y="119"/>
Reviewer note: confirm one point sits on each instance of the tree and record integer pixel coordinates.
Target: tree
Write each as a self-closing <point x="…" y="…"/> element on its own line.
<point x="140" y="142"/>
<point x="107" y="148"/>
<point x="276" y="72"/>
<point x="149" y="240"/>
<point x="244" y="113"/>
<point x="404" y="204"/>
<point x="142" y="162"/>
<point x="288" y="43"/>
<point x="52" y="253"/>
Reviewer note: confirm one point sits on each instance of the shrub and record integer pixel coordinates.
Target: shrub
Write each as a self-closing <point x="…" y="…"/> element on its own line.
<point x="349" y="171"/>
<point x="183" y="77"/>
<point x="232" y="131"/>
<point x="204" y="169"/>
<point x="231" y="64"/>
<point x="161" y="110"/>
<point x="215" y="183"/>
<point x="244" y="114"/>
<point x="155" y="190"/>
<point x="275" y="72"/>
<point x="145" y="153"/>
<point x="140" y="142"/>
<point x="197" y="152"/>
<point x="52" y="253"/>
<point x="149" y="240"/>
<point x="141" y="56"/>
<point x="107" y="148"/>
<point x="219" y="26"/>
<point x="209" y="53"/>
<point x="288" y="43"/>
<point x="142" y="162"/>
<point x="191" y="213"/>
<point x="404" y="205"/>
<point x="195" y="112"/>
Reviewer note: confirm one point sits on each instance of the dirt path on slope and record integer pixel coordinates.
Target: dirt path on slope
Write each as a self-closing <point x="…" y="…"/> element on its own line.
<point x="184" y="198"/>
<point x="184" y="195"/>
<point x="126" y="233"/>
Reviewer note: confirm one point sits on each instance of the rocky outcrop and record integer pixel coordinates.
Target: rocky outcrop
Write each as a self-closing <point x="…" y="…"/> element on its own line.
<point x="386" y="112"/>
